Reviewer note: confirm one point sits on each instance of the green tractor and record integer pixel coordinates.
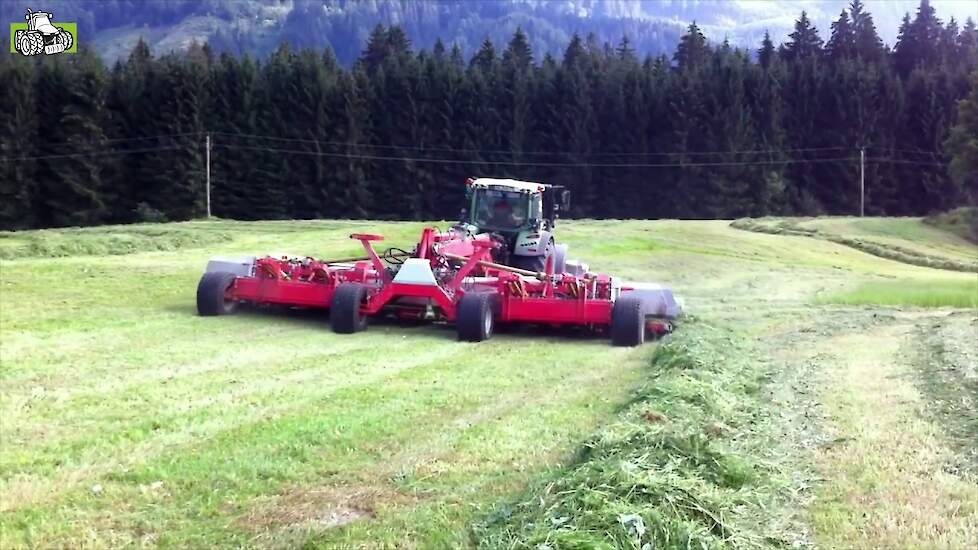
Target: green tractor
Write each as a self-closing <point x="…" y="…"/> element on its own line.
<point x="41" y="36"/>
<point x="521" y="216"/>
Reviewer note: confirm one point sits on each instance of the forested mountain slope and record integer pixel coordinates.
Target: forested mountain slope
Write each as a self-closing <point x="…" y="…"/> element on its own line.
<point x="258" y="27"/>
<point x="711" y="132"/>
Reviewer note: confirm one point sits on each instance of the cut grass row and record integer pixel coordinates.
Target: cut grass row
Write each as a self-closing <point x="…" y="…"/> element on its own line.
<point x="694" y="461"/>
<point x="909" y="240"/>
<point x="890" y="480"/>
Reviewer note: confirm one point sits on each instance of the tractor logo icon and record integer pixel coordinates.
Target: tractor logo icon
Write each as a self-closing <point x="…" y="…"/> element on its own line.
<point x="39" y="35"/>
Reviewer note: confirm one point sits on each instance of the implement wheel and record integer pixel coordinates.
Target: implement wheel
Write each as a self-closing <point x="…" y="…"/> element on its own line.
<point x="344" y="314"/>
<point x="212" y="296"/>
<point x="628" y="321"/>
<point x="476" y="316"/>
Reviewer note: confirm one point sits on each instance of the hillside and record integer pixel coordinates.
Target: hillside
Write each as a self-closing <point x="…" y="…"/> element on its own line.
<point x="129" y="420"/>
<point x="256" y="27"/>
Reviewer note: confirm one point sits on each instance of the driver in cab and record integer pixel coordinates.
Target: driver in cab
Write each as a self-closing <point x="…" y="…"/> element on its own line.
<point x="504" y="215"/>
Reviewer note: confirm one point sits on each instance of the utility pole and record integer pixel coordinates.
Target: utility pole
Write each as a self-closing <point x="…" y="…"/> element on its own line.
<point x="862" y="182"/>
<point x="208" y="157"/>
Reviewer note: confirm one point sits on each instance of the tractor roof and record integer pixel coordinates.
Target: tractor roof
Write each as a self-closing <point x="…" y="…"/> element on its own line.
<point x="515" y="185"/>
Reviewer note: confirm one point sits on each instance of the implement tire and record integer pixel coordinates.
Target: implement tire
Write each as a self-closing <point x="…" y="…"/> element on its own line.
<point x="476" y="316"/>
<point x="344" y="313"/>
<point x="627" y="321"/>
<point x="211" y="289"/>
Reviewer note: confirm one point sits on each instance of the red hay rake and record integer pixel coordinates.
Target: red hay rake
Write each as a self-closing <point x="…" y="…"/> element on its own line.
<point x="451" y="277"/>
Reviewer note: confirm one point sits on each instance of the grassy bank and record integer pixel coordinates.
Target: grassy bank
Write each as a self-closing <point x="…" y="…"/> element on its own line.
<point x="685" y="465"/>
<point x="914" y="293"/>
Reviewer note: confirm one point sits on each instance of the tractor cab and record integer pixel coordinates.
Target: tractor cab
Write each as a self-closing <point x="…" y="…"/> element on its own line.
<point x="520" y="214"/>
<point x="41" y="21"/>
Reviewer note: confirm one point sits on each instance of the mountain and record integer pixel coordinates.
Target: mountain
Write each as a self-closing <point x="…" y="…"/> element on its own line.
<point x="113" y="27"/>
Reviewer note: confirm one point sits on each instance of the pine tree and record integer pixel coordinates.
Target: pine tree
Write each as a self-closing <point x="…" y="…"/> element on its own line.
<point x="377" y="50"/>
<point x="804" y="42"/>
<point x="842" y="43"/>
<point x="625" y="51"/>
<point x="18" y="135"/>
<point x="917" y="43"/>
<point x="518" y="53"/>
<point x="485" y="59"/>
<point x="867" y="42"/>
<point x="766" y="52"/>
<point x="693" y="51"/>
<point x="71" y="103"/>
<point x="962" y="145"/>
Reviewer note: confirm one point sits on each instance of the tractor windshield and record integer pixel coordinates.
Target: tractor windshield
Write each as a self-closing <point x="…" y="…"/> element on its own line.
<point x="499" y="209"/>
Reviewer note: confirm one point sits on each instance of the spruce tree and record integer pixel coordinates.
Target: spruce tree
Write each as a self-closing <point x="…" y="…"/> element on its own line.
<point x="693" y="51"/>
<point x="18" y="135"/>
<point x="804" y="42"/>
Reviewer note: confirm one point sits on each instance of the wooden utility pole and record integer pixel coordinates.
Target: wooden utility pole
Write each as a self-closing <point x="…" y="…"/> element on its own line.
<point x="208" y="157"/>
<point x="862" y="182"/>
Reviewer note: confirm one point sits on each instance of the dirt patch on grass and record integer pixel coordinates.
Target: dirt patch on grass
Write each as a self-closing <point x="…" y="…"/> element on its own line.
<point x="320" y="508"/>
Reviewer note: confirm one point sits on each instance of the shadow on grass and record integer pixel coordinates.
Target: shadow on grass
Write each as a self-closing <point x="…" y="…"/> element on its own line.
<point x="319" y="319"/>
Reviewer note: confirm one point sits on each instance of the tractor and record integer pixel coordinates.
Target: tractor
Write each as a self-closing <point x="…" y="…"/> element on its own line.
<point x="521" y="216"/>
<point x="41" y="36"/>
<point x="463" y="275"/>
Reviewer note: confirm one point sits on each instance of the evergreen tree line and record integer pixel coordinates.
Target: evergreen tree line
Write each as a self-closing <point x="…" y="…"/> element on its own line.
<point x="713" y="131"/>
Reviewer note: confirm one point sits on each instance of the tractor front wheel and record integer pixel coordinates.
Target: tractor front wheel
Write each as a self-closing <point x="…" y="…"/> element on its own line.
<point x="212" y="296"/>
<point x="345" y="315"/>
<point x="476" y="317"/>
<point x="536" y="264"/>
<point x="628" y="321"/>
<point x="31" y="43"/>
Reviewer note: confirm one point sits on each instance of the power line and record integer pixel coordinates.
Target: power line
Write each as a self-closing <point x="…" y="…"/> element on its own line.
<point x="510" y="152"/>
<point x="541" y="164"/>
<point x="901" y="161"/>
<point x="91" y="154"/>
<point x="912" y="151"/>
<point x="479" y="162"/>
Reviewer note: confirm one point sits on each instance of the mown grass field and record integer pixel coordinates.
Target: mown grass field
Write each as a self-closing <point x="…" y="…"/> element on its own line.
<point x="128" y="420"/>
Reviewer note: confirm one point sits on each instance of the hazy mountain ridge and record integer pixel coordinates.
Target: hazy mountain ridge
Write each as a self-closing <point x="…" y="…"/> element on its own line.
<point x="257" y="28"/>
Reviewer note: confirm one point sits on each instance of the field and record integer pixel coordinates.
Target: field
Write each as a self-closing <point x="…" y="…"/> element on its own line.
<point x="823" y="392"/>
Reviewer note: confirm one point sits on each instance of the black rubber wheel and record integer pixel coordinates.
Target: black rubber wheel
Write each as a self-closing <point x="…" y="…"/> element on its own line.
<point x="344" y="313"/>
<point x="476" y="316"/>
<point x="627" y="321"/>
<point x="210" y="294"/>
<point x="534" y="263"/>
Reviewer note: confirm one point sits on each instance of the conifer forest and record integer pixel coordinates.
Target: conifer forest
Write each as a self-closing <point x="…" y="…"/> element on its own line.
<point x="712" y="131"/>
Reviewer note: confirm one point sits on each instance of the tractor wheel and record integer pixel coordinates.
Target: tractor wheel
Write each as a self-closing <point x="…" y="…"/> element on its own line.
<point x="31" y="43"/>
<point x="534" y="263"/>
<point x="560" y="258"/>
<point x="344" y="313"/>
<point x="211" y="294"/>
<point x="627" y="321"/>
<point x="476" y="316"/>
<point x="64" y="37"/>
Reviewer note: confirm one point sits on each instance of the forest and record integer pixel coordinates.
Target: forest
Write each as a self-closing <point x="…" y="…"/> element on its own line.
<point x="712" y="131"/>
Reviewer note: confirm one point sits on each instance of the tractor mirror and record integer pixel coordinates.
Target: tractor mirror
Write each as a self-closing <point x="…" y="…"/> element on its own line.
<point x="463" y="215"/>
<point x="565" y="202"/>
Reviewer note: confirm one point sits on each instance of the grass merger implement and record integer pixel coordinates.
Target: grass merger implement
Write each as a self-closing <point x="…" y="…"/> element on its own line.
<point x="473" y="275"/>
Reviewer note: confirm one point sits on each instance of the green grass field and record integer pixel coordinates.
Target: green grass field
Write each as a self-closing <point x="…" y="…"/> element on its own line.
<point x="126" y="419"/>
